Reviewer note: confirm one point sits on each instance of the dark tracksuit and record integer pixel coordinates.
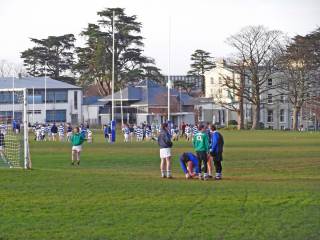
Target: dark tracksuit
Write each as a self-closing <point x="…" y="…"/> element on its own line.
<point x="217" y="150"/>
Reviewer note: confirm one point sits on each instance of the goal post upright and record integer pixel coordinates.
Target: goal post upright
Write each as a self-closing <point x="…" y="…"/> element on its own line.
<point x="27" y="160"/>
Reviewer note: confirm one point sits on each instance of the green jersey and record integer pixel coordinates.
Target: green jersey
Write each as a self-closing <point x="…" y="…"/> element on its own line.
<point x="77" y="139"/>
<point x="201" y="142"/>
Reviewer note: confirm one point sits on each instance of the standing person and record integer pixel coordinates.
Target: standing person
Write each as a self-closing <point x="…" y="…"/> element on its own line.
<point x="61" y="132"/>
<point x="69" y="132"/>
<point x="201" y="144"/>
<point x="54" y="131"/>
<point x="77" y="140"/>
<point x="195" y="130"/>
<point x="216" y="151"/>
<point x="2" y="145"/>
<point x="131" y="130"/>
<point x="189" y="163"/>
<point x="126" y="133"/>
<point x="188" y="132"/>
<point x="183" y="129"/>
<point x="165" y="143"/>
<point x="106" y="132"/>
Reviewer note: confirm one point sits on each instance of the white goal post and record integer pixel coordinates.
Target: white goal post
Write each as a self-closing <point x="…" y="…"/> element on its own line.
<point x="14" y="128"/>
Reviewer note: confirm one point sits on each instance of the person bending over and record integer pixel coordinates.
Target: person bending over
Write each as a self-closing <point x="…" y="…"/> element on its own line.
<point x="189" y="164"/>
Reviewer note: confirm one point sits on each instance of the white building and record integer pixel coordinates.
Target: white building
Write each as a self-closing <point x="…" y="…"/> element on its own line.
<point x="275" y="110"/>
<point x="63" y="100"/>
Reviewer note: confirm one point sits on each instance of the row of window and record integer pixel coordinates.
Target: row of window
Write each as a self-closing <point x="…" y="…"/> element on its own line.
<point x="270" y="98"/>
<point x="281" y="116"/>
<point x="53" y="96"/>
<point x="51" y="116"/>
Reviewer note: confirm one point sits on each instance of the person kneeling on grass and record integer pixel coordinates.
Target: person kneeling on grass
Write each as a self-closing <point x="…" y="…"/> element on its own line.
<point x="76" y="139"/>
<point x="189" y="164"/>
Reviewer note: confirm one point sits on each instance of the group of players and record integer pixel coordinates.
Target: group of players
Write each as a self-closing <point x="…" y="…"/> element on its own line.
<point x="59" y="132"/>
<point x="208" y="145"/>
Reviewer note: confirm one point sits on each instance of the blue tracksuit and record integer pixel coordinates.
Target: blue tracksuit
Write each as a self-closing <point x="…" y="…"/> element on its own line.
<point x="190" y="157"/>
<point x="217" y="144"/>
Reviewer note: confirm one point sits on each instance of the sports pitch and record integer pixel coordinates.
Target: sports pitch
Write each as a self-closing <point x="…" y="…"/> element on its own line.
<point x="270" y="190"/>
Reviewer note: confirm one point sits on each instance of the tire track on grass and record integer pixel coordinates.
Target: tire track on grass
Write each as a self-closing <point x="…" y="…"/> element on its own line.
<point x="187" y="214"/>
<point x="242" y="213"/>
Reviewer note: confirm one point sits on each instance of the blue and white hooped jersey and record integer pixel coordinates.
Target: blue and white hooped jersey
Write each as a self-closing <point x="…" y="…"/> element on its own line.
<point x="195" y="130"/>
<point x="126" y="130"/>
<point x="61" y="130"/>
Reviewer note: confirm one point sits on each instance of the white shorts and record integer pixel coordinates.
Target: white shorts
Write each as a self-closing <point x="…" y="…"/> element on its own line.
<point x="165" y="152"/>
<point x="77" y="148"/>
<point x="1" y="148"/>
<point x="69" y="134"/>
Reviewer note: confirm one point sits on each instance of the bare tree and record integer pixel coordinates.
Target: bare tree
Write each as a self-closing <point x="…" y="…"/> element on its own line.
<point x="258" y="51"/>
<point x="300" y="67"/>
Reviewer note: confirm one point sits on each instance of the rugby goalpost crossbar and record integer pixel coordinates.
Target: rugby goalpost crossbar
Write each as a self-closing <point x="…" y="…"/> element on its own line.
<point x="27" y="164"/>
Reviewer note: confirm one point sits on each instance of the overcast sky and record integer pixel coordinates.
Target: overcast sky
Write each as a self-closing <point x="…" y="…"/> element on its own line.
<point x="195" y="24"/>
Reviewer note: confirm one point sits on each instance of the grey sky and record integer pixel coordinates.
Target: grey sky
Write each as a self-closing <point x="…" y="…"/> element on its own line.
<point x="201" y="24"/>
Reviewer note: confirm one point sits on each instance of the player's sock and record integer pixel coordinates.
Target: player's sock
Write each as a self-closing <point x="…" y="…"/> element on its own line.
<point x="169" y="174"/>
<point x="163" y="173"/>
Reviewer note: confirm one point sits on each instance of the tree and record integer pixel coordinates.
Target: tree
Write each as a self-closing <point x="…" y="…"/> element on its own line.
<point x="186" y="86"/>
<point x="258" y="50"/>
<point x="300" y="67"/>
<point x="201" y="62"/>
<point x="95" y="59"/>
<point x="53" y="55"/>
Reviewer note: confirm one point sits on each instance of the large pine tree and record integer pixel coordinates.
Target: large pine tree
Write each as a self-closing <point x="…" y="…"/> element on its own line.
<point x="201" y="62"/>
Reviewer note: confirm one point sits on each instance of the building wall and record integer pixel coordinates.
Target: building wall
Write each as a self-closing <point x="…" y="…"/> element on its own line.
<point x="36" y="112"/>
<point x="90" y="114"/>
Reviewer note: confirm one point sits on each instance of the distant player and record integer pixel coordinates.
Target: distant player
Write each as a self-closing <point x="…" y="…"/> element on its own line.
<point x="77" y="140"/>
<point x="90" y="136"/>
<point x="195" y="130"/>
<point x="165" y="143"/>
<point x="189" y="164"/>
<point x="201" y="144"/>
<point x="61" y="132"/>
<point x="131" y="130"/>
<point x="106" y="132"/>
<point x="148" y="133"/>
<point x="54" y="131"/>
<point x="139" y="134"/>
<point x="126" y="132"/>
<point x="2" y="145"/>
<point x="43" y="132"/>
<point x="216" y="151"/>
<point x="69" y="132"/>
<point x="188" y="132"/>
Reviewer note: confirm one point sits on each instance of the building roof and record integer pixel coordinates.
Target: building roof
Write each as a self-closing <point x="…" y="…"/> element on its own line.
<point x="34" y="82"/>
<point x="148" y="92"/>
<point x="92" y="100"/>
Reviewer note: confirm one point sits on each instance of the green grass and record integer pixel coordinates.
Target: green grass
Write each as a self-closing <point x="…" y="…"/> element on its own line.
<point x="271" y="190"/>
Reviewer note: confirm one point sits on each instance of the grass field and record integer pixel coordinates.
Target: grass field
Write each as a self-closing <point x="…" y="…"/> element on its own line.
<point x="271" y="190"/>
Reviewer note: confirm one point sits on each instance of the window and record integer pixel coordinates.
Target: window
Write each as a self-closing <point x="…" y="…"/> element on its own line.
<point x="270" y="116"/>
<point x="61" y="96"/>
<point x="56" y="116"/>
<point x="281" y="115"/>
<point x="282" y="99"/>
<point x="75" y="101"/>
<point x="211" y="80"/>
<point x="35" y="111"/>
<point x="270" y="82"/>
<point x="269" y="98"/>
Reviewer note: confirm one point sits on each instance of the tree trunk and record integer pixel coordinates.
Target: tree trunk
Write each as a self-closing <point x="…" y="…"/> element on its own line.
<point x="296" y="111"/>
<point x="256" y="116"/>
<point x="240" y="115"/>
